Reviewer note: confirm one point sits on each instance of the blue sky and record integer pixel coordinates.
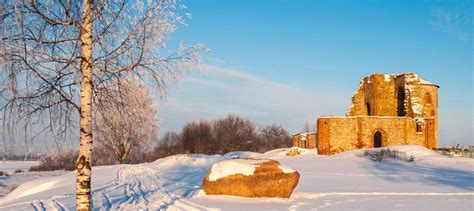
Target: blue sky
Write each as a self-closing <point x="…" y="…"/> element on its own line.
<point x="286" y="62"/>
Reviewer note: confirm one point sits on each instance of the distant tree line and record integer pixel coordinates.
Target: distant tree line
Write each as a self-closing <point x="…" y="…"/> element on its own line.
<point x="221" y="136"/>
<point x="19" y="157"/>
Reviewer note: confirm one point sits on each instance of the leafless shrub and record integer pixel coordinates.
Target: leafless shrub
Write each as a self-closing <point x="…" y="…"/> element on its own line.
<point x="65" y="161"/>
<point x="377" y="156"/>
<point x="271" y="137"/>
<point x="103" y="156"/>
<point x="385" y="154"/>
<point x="169" y="144"/>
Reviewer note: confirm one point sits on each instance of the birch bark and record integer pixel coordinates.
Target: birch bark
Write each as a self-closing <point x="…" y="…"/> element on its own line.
<point x="83" y="165"/>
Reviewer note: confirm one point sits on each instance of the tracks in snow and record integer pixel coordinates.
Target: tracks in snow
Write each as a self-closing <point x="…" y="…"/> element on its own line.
<point x="140" y="187"/>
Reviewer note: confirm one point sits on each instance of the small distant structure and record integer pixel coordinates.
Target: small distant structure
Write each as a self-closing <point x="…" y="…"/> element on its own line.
<point x="387" y="109"/>
<point x="305" y="140"/>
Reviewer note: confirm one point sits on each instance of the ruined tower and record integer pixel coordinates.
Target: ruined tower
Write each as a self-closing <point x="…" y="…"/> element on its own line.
<point x="387" y="109"/>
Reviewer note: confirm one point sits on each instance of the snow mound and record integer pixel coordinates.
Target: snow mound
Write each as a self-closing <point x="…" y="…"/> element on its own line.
<point x="234" y="166"/>
<point x="285" y="169"/>
<point x="415" y="150"/>
<point x="188" y="159"/>
<point x="240" y="166"/>
<point x="276" y="153"/>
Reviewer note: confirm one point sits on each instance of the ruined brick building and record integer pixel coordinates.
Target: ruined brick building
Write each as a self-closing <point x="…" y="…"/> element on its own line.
<point x="387" y="109"/>
<point x="304" y="140"/>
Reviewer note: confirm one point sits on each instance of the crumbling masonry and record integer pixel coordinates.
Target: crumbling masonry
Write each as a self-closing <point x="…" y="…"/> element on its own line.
<point x="387" y="109"/>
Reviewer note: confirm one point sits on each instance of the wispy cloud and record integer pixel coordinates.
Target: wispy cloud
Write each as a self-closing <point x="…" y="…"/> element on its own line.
<point x="240" y="75"/>
<point x="457" y="23"/>
<point x="223" y="91"/>
<point x="208" y="83"/>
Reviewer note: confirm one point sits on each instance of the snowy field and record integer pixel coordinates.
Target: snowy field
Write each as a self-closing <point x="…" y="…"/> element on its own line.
<point x="18" y="174"/>
<point x="11" y="166"/>
<point x="347" y="181"/>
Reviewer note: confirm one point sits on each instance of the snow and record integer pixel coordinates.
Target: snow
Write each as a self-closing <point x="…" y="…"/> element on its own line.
<point x="346" y="181"/>
<point x="420" y="120"/>
<point x="411" y="79"/>
<point x="387" y="77"/>
<point x="422" y="81"/>
<point x="37" y="189"/>
<point x="241" y="166"/>
<point x="12" y="166"/>
<point x="286" y="169"/>
<point x="234" y="166"/>
<point x="417" y="108"/>
<point x="14" y="177"/>
<point x="241" y="154"/>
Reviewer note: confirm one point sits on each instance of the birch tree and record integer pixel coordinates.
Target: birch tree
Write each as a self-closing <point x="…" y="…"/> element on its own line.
<point x="55" y="52"/>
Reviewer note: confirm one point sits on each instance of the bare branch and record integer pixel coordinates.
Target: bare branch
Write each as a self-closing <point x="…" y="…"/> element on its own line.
<point x="34" y="8"/>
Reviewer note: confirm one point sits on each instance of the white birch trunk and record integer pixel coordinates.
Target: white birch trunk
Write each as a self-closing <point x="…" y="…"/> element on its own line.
<point x="83" y="165"/>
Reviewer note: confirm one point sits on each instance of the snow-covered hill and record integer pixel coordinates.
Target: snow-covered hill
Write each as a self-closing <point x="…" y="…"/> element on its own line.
<point x="341" y="182"/>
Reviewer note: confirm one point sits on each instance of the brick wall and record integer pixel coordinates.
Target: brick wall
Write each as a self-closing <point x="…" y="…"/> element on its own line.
<point x="338" y="134"/>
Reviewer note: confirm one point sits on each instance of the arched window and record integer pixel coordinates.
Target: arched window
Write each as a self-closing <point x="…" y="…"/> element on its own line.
<point x="368" y="109"/>
<point x="377" y="139"/>
<point x="401" y="102"/>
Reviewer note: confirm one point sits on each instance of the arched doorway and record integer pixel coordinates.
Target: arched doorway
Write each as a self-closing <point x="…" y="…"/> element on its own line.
<point x="401" y="102"/>
<point x="377" y="139"/>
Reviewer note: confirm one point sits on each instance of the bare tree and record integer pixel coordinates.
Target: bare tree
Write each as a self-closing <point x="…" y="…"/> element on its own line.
<point x="272" y="137"/>
<point x="169" y="144"/>
<point x="125" y="116"/>
<point x="196" y="137"/>
<point x="55" y="52"/>
<point x="233" y="133"/>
